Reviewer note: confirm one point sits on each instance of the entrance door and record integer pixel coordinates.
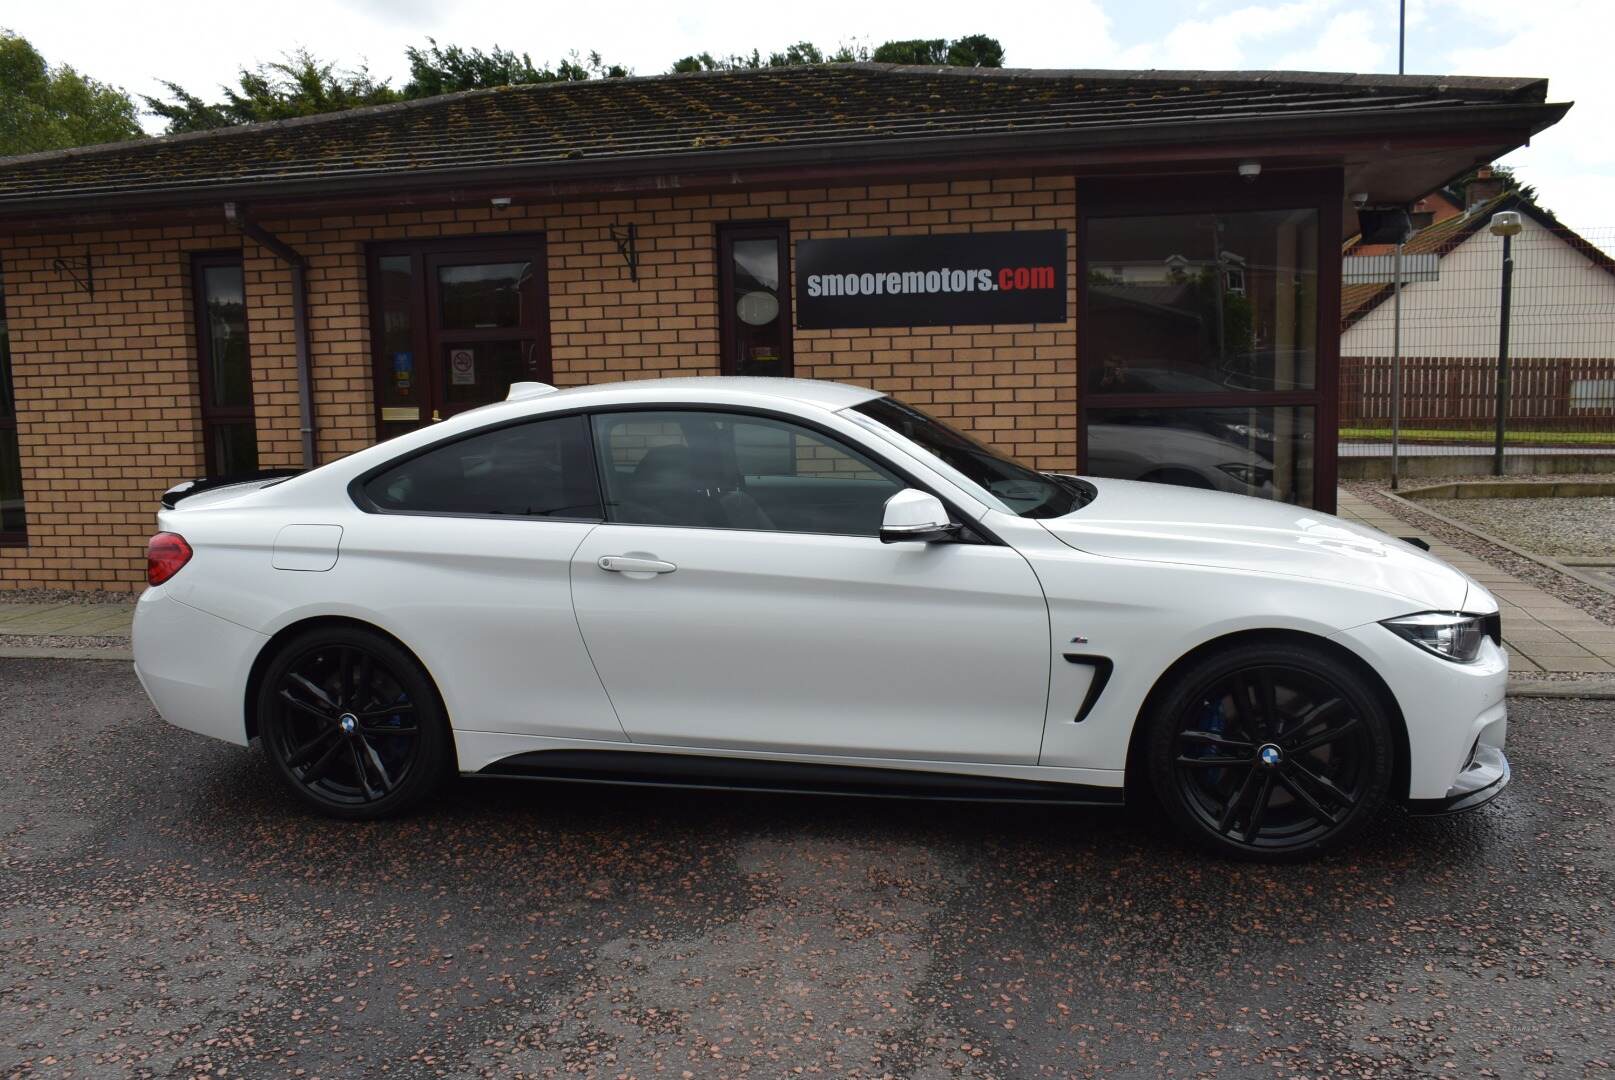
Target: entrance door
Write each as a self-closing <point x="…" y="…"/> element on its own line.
<point x="454" y="323"/>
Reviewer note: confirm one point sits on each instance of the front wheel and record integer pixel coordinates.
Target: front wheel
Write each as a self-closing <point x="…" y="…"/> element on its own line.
<point x="1271" y="752"/>
<point x="351" y="724"/>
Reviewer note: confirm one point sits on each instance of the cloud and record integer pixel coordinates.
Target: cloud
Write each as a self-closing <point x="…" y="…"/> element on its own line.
<point x="1222" y="41"/>
<point x="1351" y="41"/>
<point x="1572" y="163"/>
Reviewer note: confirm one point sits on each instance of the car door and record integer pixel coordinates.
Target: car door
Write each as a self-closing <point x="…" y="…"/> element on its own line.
<point x="467" y="547"/>
<point x="739" y="598"/>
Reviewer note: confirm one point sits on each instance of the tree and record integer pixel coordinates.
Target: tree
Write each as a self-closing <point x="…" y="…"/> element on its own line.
<point x="296" y="85"/>
<point x="443" y="70"/>
<point x="800" y="54"/>
<point x="927" y="51"/>
<point x="52" y="108"/>
<point x="977" y="50"/>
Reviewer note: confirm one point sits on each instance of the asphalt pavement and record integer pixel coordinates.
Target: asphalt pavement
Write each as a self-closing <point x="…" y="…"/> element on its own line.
<point x="164" y="911"/>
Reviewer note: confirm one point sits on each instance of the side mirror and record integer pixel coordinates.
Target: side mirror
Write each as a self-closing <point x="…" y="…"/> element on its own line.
<point x="916" y="516"/>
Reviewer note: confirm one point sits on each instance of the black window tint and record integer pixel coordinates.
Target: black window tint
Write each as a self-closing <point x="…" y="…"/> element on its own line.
<point x="539" y="469"/>
<point x="734" y="471"/>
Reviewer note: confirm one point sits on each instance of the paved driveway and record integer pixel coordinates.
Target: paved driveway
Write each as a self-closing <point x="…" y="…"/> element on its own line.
<point x="164" y="912"/>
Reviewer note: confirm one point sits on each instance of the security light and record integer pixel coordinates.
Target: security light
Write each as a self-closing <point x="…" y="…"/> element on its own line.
<point x="1250" y="170"/>
<point x="1506" y="223"/>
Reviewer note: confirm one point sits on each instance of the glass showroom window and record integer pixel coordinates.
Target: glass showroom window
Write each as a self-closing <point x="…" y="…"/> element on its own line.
<point x="12" y="519"/>
<point x="754" y="298"/>
<point x="224" y="366"/>
<point x="1201" y="349"/>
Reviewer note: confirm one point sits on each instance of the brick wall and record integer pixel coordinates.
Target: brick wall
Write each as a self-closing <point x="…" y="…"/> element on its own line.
<point x="108" y="415"/>
<point x="113" y="392"/>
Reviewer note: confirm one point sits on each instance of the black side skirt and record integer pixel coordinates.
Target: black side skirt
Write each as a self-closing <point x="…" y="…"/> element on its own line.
<point x="749" y="774"/>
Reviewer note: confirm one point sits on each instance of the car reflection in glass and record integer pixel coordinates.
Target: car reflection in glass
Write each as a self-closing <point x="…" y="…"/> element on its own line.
<point x="1177" y="455"/>
<point x="1234" y="423"/>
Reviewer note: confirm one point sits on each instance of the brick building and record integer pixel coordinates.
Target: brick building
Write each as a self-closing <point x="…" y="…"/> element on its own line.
<point x="277" y="295"/>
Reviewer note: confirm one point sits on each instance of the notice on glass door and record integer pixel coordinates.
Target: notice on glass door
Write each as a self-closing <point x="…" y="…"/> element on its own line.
<point x="463" y="367"/>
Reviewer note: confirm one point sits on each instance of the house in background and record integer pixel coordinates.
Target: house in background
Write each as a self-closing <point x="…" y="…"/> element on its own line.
<point x="1561" y="334"/>
<point x="1437" y="207"/>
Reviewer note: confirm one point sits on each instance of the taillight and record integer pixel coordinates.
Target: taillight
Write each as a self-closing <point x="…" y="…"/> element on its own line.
<point x="166" y="553"/>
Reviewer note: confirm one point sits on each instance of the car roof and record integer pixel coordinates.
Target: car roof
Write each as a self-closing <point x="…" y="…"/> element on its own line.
<point x="828" y="395"/>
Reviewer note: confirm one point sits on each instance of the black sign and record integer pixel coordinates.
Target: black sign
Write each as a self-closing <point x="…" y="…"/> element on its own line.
<point x="948" y="280"/>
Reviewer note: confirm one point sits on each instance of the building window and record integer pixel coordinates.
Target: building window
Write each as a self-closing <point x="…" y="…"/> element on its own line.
<point x="224" y="366"/>
<point x="754" y="298"/>
<point x="1202" y="348"/>
<point x="453" y="324"/>
<point x="13" y="520"/>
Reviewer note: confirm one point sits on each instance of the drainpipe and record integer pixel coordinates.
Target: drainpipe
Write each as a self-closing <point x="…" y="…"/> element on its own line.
<point x="305" y="378"/>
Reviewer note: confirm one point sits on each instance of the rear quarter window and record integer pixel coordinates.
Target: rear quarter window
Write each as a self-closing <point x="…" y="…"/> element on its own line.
<point x="542" y="468"/>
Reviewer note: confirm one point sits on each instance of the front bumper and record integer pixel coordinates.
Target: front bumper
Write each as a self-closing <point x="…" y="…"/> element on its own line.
<point x="1482" y="781"/>
<point x="1455" y="715"/>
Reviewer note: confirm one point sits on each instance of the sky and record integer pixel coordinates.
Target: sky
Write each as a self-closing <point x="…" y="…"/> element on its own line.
<point x="201" y="45"/>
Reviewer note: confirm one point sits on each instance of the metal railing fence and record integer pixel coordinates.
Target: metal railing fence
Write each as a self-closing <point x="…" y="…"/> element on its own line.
<point x="1560" y="395"/>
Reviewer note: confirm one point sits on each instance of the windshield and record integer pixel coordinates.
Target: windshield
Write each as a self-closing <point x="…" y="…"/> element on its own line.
<point x="1013" y="487"/>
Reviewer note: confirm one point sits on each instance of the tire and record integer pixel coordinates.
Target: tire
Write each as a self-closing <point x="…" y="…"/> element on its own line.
<point x="351" y="723"/>
<point x="1312" y="748"/>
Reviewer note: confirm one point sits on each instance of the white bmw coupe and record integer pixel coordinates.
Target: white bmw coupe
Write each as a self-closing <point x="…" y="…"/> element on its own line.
<point x="786" y="584"/>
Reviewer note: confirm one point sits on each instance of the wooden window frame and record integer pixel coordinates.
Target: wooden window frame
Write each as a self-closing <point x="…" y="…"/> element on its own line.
<point x="420" y="253"/>
<point x="1166" y="195"/>
<point x="727" y="233"/>
<point x="213" y="416"/>
<point x="8" y="425"/>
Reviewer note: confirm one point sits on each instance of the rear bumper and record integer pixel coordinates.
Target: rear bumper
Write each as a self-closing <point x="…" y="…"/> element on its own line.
<point x="1481" y="782"/>
<point x="193" y="665"/>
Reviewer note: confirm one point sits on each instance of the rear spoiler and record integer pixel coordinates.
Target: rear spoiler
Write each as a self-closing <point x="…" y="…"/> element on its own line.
<point x="174" y="495"/>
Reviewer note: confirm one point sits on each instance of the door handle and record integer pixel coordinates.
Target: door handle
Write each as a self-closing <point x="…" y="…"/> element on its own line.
<point x="623" y="564"/>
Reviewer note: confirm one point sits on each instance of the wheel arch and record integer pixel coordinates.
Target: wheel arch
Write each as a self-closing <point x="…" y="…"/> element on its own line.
<point x="260" y="663"/>
<point x="1136" y="777"/>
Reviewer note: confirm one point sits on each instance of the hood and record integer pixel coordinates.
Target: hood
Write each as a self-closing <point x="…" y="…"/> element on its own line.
<point x="1162" y="523"/>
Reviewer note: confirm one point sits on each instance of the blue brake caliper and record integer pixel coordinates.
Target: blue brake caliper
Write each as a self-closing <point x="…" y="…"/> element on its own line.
<point x="1212" y="722"/>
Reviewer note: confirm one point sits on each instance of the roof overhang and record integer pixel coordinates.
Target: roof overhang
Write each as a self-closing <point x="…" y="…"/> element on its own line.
<point x="1393" y="156"/>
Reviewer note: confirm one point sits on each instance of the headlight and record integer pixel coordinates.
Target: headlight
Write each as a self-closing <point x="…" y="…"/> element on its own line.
<point x="1249" y="475"/>
<point x="1451" y="635"/>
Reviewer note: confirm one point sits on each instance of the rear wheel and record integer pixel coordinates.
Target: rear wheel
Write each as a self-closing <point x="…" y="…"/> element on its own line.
<point x="351" y="724"/>
<point x="1272" y="752"/>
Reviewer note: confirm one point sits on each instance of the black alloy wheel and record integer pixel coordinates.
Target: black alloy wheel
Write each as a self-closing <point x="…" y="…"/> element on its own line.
<point x="1271" y="752"/>
<point x="351" y="723"/>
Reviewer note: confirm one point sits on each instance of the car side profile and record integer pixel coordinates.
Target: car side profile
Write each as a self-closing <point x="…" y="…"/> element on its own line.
<point x="793" y="584"/>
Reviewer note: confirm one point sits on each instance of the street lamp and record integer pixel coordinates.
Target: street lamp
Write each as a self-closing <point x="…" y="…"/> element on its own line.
<point x="1507" y="224"/>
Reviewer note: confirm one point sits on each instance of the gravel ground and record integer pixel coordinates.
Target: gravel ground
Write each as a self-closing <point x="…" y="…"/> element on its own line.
<point x="64" y="596"/>
<point x="165" y="912"/>
<point x="1597" y="603"/>
<point x="62" y="641"/>
<point x="1574" y="527"/>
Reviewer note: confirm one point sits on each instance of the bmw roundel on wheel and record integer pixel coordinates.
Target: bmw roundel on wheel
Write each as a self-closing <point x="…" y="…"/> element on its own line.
<point x="778" y="583"/>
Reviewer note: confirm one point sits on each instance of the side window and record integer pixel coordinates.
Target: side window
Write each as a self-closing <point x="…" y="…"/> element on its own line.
<point x="539" y="469"/>
<point x="230" y="442"/>
<point x="754" y="298"/>
<point x="737" y="471"/>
